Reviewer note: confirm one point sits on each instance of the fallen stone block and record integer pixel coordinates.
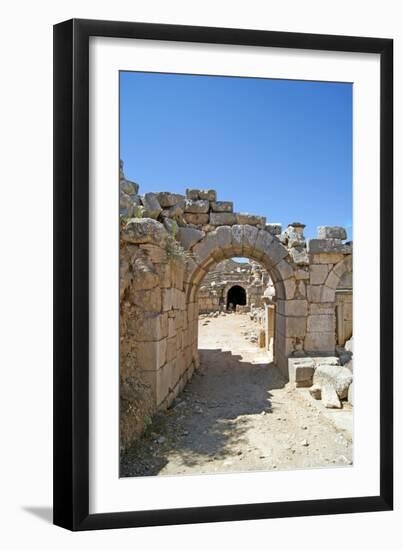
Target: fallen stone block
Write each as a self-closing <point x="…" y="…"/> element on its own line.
<point x="315" y="391"/>
<point x="338" y="377"/>
<point x="304" y="376"/>
<point x="330" y="398"/>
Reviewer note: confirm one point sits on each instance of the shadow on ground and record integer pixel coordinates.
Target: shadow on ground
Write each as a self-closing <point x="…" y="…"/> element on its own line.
<point x="201" y="422"/>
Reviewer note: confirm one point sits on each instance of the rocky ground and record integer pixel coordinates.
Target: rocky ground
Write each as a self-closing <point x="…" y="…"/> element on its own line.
<point x="237" y="414"/>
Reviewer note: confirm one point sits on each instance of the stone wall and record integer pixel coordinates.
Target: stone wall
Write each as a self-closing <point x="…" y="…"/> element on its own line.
<point x="157" y="335"/>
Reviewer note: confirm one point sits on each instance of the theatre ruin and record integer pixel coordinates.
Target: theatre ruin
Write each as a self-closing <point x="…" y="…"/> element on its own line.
<point x="177" y="261"/>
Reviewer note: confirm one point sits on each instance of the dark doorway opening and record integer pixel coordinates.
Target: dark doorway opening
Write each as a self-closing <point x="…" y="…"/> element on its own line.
<point x="236" y="297"/>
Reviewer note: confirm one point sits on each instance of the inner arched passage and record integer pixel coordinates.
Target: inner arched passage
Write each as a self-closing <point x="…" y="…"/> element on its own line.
<point x="236" y="296"/>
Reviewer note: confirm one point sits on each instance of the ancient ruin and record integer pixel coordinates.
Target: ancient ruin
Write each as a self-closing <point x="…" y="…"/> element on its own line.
<point x="170" y="245"/>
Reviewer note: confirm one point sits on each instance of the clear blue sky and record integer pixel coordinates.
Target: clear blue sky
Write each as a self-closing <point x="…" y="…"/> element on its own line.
<point x="279" y="148"/>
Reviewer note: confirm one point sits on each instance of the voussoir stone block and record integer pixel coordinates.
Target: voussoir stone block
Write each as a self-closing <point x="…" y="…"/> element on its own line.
<point x="188" y="236"/>
<point x="318" y="273"/>
<point x="273" y="228"/>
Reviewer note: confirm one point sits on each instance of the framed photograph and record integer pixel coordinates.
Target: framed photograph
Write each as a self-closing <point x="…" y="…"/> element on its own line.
<point x="209" y="184"/>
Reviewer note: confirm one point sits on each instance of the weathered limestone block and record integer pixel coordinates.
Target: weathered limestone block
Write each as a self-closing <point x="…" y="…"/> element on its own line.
<point x="332" y="280"/>
<point x="291" y="326"/>
<point x="327" y="294"/>
<point x="318" y="273"/>
<point x="224" y="237"/>
<point x="322" y="309"/>
<point x="167" y="199"/>
<point x="284" y="270"/>
<point x="175" y="212"/>
<point x="250" y="219"/>
<point x="203" y="250"/>
<point x="167" y="299"/>
<point x="276" y="251"/>
<point x="249" y="239"/>
<point x="331" y="232"/>
<point x="323" y="342"/>
<point x="273" y="228"/>
<point x="289" y="286"/>
<point x="299" y="255"/>
<point x="192" y="194"/>
<point x="338" y="377"/>
<point x="208" y="194"/>
<point x="145" y="275"/>
<point x="300" y="371"/>
<point x="156" y="254"/>
<point x="301" y="274"/>
<point x="171" y="348"/>
<point x="222" y="218"/>
<point x="321" y="323"/>
<point x="149" y="327"/>
<point x="326" y="258"/>
<point x="197" y="219"/>
<point x="188" y="236"/>
<point x="303" y="376"/>
<point x="320" y="246"/>
<point x="148" y="300"/>
<point x="330" y="398"/>
<point x="129" y="187"/>
<point x="346" y="265"/>
<point x="263" y="242"/>
<point x="237" y="239"/>
<point x="152" y="206"/>
<point x="314" y="293"/>
<point x="151" y="355"/>
<point x="222" y="206"/>
<point x="196" y="207"/>
<point x="296" y="308"/>
<point x="144" y="230"/>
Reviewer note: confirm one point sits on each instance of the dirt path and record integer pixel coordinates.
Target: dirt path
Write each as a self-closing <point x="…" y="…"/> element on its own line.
<point x="235" y="415"/>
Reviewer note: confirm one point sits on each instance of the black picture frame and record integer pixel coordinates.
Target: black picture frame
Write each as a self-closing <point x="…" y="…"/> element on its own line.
<point x="71" y="274"/>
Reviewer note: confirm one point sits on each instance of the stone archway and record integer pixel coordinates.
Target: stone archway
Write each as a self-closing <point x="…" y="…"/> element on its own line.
<point x="256" y="244"/>
<point x="236" y="296"/>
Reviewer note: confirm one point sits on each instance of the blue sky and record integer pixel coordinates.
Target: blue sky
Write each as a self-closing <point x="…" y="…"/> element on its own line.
<point x="279" y="148"/>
